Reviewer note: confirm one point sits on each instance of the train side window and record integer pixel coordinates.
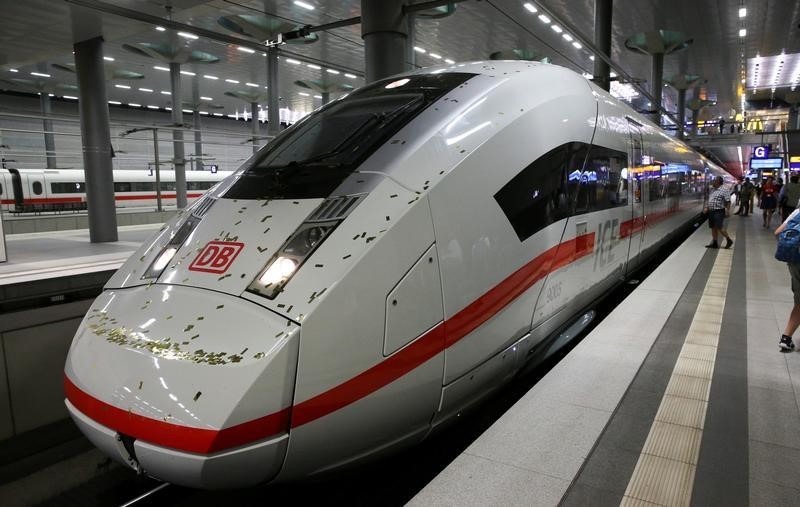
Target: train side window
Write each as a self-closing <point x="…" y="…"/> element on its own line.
<point x="37" y="187"/>
<point x="73" y="187"/>
<point x="122" y="186"/>
<point x="604" y="180"/>
<point x="1" y="189"/>
<point x="539" y="195"/>
<point x="167" y="185"/>
<point x="199" y="185"/>
<point x="143" y="186"/>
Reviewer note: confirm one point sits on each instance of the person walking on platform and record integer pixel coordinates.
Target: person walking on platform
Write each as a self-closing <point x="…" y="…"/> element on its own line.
<point x="786" y="344"/>
<point x="789" y="196"/>
<point x="745" y="198"/>
<point x="718" y="207"/>
<point x="769" y="201"/>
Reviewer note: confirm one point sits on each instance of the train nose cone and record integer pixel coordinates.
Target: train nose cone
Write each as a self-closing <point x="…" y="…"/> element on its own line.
<point x="190" y="385"/>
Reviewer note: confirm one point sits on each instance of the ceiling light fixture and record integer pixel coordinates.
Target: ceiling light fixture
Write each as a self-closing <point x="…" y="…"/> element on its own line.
<point x="293" y="62"/>
<point x="419" y="49"/>
<point x="124" y="87"/>
<point x="451" y="62"/>
<point x="114" y="103"/>
<point x="434" y="55"/>
<point x="567" y="37"/>
<point x="40" y="74"/>
<point x="131" y="104"/>
<point x="350" y="76"/>
<point x="556" y="28"/>
<point x="161" y="29"/>
<point x="317" y="96"/>
<point x="158" y="67"/>
<point x="742" y="12"/>
<point x="577" y="45"/>
<point x="152" y="107"/>
<point x="165" y="92"/>
<point x="743" y="32"/>
<point x="332" y="71"/>
<point x="187" y="73"/>
<point x="13" y="70"/>
<point x="304" y="5"/>
<point x="544" y="19"/>
<point x="206" y="98"/>
<point x="232" y="81"/>
<point x="303" y="94"/>
<point x="312" y="66"/>
<point x="213" y="78"/>
<point x="70" y="97"/>
<point x="251" y="84"/>
<point x="530" y="7"/>
<point x="245" y="50"/>
<point x="591" y="57"/>
<point x="148" y="90"/>
<point x="108" y="58"/>
<point x="187" y="35"/>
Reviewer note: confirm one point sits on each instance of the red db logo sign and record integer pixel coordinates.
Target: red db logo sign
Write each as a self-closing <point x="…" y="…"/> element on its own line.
<point x="216" y="257"/>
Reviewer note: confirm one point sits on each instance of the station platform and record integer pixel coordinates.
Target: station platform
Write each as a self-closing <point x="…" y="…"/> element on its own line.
<point x="679" y="397"/>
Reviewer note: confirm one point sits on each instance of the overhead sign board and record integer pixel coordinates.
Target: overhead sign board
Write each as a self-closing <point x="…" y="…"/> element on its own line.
<point x="766" y="163"/>
<point x="761" y="152"/>
<point x="794" y="163"/>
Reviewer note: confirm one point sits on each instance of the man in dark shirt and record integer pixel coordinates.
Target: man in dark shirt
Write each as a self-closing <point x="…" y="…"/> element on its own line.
<point x="719" y="203"/>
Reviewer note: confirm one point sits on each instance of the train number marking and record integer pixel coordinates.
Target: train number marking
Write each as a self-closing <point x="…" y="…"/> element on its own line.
<point x="216" y="257"/>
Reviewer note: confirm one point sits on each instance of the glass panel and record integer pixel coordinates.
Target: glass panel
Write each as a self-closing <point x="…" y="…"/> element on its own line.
<point x="314" y="156"/>
<point x="37" y="187"/>
<point x="75" y="187"/>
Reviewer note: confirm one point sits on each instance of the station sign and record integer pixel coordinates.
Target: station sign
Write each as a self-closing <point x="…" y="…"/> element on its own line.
<point x="766" y="163"/>
<point x="794" y="163"/>
<point x="761" y="152"/>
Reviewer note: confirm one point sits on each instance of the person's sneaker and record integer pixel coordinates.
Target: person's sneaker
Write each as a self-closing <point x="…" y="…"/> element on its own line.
<point x="728" y="242"/>
<point x="786" y="344"/>
<point x="713" y="244"/>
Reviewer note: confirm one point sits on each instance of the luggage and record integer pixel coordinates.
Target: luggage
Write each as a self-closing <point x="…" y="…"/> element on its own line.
<point x="789" y="242"/>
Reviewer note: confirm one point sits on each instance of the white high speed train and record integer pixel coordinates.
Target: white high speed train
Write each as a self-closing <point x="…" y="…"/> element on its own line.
<point x="45" y="190"/>
<point x="373" y="272"/>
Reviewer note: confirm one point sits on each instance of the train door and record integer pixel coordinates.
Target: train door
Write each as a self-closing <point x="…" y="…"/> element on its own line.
<point x="634" y="228"/>
<point x="5" y="191"/>
<point x="17" y="189"/>
<point x="36" y="188"/>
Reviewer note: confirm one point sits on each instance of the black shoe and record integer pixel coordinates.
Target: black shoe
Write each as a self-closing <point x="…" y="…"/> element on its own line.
<point x="728" y="242"/>
<point x="786" y="344"/>
<point x="713" y="244"/>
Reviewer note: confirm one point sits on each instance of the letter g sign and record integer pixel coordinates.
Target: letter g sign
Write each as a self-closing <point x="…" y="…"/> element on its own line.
<point x="216" y="257"/>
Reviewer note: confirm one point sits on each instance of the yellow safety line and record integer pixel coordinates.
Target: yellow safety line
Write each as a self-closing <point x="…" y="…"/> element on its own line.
<point x="664" y="474"/>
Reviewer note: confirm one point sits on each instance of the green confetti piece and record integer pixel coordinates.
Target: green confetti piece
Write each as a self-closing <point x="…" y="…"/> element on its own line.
<point x="197" y="396"/>
<point x="188" y="328"/>
<point x="220" y="307"/>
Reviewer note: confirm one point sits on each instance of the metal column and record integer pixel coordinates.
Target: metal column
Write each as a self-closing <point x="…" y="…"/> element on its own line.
<point x="411" y="55"/>
<point x="681" y="112"/>
<point x="384" y="29"/>
<point x="602" y="41"/>
<point x="254" y="119"/>
<point x="96" y="140"/>
<point x="326" y="97"/>
<point x="273" y="107"/>
<point x="198" y="125"/>
<point x="657" y="86"/>
<point x="47" y="126"/>
<point x="177" y="134"/>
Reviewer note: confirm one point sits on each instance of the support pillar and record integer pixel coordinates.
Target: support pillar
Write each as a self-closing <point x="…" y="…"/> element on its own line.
<point x="273" y="105"/>
<point x="326" y="97"/>
<point x="198" y="125"/>
<point x="385" y="30"/>
<point x="657" y="85"/>
<point x="602" y="41"/>
<point x="681" y="113"/>
<point x="96" y="140"/>
<point x="695" y="118"/>
<point x="411" y="55"/>
<point x="793" y="117"/>
<point x="177" y="135"/>
<point x="254" y="119"/>
<point x="47" y="126"/>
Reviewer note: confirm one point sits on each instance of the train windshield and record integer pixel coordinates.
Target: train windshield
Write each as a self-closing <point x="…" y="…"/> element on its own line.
<point x="310" y="159"/>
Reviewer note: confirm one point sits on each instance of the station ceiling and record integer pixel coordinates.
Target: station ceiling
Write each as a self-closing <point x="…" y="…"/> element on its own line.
<point x="37" y="36"/>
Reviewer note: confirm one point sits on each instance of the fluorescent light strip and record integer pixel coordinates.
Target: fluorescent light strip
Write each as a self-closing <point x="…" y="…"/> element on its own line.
<point x="434" y="55"/>
<point x="303" y="94"/>
<point x="350" y="76"/>
<point x="164" y="92"/>
<point x="114" y="103"/>
<point x="293" y="62"/>
<point x="419" y="49"/>
<point x="218" y="114"/>
<point x="742" y="12"/>
<point x="40" y="74"/>
<point x="70" y="97"/>
<point x="13" y="70"/>
<point x="232" y="81"/>
<point x="187" y="111"/>
<point x="743" y="32"/>
<point x="161" y="29"/>
<point x="304" y="5"/>
<point x="108" y="58"/>
<point x="312" y="66"/>
<point x="158" y="67"/>
<point x="530" y="7"/>
<point x="543" y="18"/>
<point x="577" y="45"/>
<point x="206" y="98"/>
<point x="124" y="87"/>
<point x="317" y="96"/>
<point x="214" y="78"/>
<point x="567" y="37"/>
<point x="246" y="50"/>
<point x="131" y="104"/>
<point x="148" y="90"/>
<point x="556" y="28"/>
<point x="451" y="62"/>
<point x="187" y="73"/>
<point x="187" y="35"/>
<point x="152" y="107"/>
<point x="332" y="71"/>
<point x="252" y="84"/>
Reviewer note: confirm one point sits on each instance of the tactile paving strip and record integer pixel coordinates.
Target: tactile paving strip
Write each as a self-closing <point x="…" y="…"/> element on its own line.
<point x="664" y="473"/>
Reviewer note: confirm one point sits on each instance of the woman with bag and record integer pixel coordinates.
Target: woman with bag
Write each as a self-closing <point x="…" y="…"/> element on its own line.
<point x="789" y="252"/>
<point x="769" y="201"/>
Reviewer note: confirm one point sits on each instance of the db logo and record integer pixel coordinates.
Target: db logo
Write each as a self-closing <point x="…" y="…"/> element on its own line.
<point x="216" y="257"/>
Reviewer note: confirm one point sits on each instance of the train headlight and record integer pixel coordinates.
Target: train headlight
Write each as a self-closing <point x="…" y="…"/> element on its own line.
<point x="170" y="249"/>
<point x="294" y="252"/>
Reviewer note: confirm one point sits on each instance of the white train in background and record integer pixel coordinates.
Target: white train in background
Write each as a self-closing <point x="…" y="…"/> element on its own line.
<point x="373" y="272"/>
<point x="47" y="190"/>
